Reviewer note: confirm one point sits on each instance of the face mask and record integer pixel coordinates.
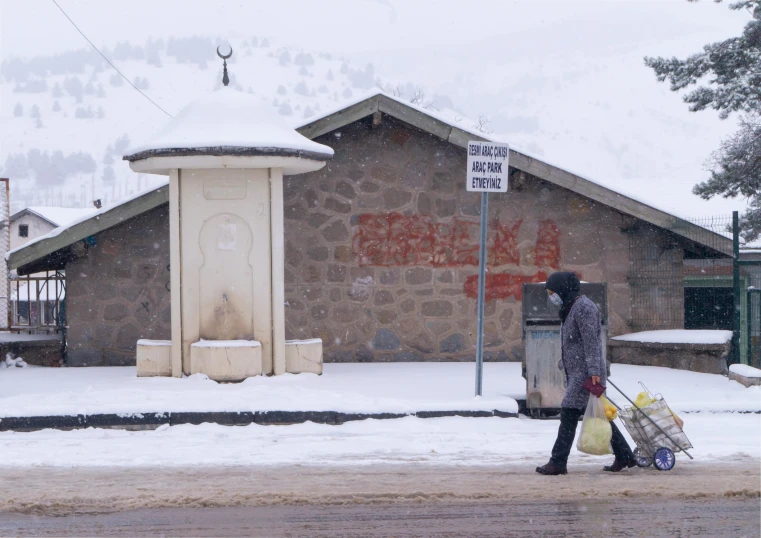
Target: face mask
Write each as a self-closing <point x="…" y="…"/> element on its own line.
<point x="555" y="299"/>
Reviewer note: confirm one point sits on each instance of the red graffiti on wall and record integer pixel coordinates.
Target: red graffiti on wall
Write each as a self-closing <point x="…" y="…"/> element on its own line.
<point x="505" y="251"/>
<point x="547" y="250"/>
<point x="394" y="239"/>
<point x="501" y="285"/>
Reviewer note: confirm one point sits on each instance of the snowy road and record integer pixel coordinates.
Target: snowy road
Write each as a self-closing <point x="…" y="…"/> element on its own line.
<point x="48" y="491"/>
<point x="617" y="517"/>
<point x="411" y="476"/>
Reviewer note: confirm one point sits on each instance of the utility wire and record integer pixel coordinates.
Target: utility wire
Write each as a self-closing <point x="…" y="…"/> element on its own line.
<point x="109" y="61"/>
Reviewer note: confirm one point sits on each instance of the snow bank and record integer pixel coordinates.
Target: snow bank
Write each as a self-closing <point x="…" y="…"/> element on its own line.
<point x="678" y="336"/>
<point x="11" y="362"/>
<point x="439" y="441"/>
<point x="745" y="370"/>
<point x="227" y="117"/>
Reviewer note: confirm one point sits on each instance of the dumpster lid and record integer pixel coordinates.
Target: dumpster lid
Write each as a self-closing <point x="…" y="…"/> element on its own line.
<point x="536" y="307"/>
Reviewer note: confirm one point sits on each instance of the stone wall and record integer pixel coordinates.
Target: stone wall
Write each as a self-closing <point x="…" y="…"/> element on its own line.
<point x="382" y="250"/>
<point x="707" y="358"/>
<point x="381" y="257"/>
<point x="118" y="292"/>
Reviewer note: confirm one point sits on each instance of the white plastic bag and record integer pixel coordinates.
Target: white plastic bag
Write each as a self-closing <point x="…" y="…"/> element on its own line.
<point x="596" y="432"/>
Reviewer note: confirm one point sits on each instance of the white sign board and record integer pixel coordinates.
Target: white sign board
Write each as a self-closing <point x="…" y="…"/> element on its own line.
<point x="487" y="167"/>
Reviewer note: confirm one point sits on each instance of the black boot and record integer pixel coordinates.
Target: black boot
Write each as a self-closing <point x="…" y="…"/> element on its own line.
<point x="551" y="469"/>
<point x="619" y="466"/>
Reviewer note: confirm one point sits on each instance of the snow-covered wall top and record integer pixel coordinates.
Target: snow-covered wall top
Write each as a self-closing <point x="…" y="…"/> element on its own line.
<point x="678" y="336"/>
<point x="227" y="118"/>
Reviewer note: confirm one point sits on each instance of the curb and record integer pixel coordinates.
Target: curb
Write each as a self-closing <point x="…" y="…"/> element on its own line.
<point x="149" y="421"/>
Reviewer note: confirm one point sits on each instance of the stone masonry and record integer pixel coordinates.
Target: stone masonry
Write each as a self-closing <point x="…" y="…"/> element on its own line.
<point x="381" y="257"/>
<point x="382" y="250"/>
<point x="118" y="292"/>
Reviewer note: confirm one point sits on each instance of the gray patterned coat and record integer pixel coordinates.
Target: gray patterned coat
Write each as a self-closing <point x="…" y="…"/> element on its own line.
<point x="582" y="351"/>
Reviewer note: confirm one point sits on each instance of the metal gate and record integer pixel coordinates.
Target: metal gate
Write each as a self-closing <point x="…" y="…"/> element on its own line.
<point x="37" y="302"/>
<point x="753" y="318"/>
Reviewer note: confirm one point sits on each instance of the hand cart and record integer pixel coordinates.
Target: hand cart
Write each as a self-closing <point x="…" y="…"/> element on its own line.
<point x="656" y="431"/>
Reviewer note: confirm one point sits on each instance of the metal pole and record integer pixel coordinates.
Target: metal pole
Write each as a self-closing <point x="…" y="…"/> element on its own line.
<point x="481" y="286"/>
<point x="736" y="287"/>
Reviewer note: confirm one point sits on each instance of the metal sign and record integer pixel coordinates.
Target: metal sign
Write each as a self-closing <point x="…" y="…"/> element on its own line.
<point x="487" y="172"/>
<point x="487" y="167"/>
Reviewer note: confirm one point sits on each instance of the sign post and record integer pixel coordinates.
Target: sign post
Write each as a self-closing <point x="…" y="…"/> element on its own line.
<point x="487" y="172"/>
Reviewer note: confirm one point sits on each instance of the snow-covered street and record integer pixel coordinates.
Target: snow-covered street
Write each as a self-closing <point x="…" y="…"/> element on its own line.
<point x="354" y="387"/>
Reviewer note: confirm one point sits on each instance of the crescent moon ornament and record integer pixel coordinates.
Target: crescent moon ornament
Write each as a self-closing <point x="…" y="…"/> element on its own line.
<point x="223" y="56"/>
<point x="225" y="78"/>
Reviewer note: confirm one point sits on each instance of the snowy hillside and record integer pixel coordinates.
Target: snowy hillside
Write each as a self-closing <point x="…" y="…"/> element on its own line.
<point x="72" y="117"/>
<point x="566" y="84"/>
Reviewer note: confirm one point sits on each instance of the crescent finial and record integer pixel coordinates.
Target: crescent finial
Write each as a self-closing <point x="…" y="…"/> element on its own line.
<point x="224" y="56"/>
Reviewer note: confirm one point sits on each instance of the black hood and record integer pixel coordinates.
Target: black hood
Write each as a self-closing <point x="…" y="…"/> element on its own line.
<point x="567" y="286"/>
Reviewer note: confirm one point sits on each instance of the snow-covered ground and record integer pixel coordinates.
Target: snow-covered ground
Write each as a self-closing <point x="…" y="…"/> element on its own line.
<point x="400" y="387"/>
<point x="360" y="388"/>
<point x="439" y="441"/>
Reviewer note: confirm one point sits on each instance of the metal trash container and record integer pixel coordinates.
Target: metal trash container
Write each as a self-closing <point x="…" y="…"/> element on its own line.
<point x="542" y="359"/>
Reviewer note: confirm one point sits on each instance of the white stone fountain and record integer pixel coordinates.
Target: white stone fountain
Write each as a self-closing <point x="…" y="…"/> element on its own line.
<point x="225" y="155"/>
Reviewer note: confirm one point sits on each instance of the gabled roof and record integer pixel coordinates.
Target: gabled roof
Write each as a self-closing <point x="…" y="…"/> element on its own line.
<point x="29" y="211"/>
<point x="426" y="120"/>
<point x="55" y="216"/>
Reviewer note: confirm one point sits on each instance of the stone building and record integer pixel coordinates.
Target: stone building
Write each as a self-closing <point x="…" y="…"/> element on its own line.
<point x="382" y="249"/>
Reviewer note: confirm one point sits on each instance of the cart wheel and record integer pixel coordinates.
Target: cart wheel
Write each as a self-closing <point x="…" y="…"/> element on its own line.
<point x="664" y="459"/>
<point x="642" y="461"/>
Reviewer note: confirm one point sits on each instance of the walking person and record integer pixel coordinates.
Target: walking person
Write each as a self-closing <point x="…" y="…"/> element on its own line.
<point x="582" y="358"/>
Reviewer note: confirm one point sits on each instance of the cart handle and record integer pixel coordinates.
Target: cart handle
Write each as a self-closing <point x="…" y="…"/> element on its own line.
<point x="650" y="419"/>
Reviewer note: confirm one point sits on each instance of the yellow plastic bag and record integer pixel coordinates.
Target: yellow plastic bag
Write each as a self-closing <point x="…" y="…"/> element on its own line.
<point x="610" y="410"/>
<point x="643" y="400"/>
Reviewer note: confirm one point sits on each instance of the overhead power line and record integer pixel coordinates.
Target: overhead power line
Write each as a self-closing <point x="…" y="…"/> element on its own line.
<point x="109" y="61"/>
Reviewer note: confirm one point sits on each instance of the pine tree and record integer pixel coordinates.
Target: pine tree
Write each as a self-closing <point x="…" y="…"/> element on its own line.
<point x="108" y="174"/>
<point x="18" y="110"/>
<point x="732" y="71"/>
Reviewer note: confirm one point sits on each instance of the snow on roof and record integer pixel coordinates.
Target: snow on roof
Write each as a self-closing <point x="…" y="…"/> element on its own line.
<point x="82" y="218"/>
<point x="228" y="118"/>
<point x="678" y="336"/>
<point x="60" y="216"/>
<point x="450" y="117"/>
